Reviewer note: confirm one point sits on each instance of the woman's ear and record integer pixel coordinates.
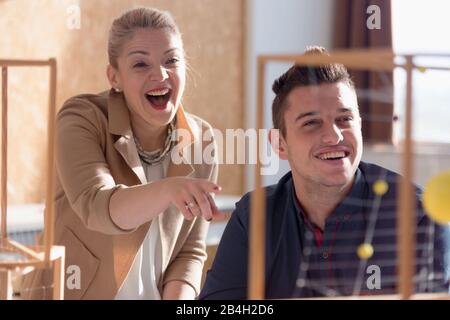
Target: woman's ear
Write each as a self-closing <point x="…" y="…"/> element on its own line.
<point x="278" y="143"/>
<point x="113" y="77"/>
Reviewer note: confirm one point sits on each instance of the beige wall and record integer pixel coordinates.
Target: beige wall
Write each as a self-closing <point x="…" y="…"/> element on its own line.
<point x="37" y="29"/>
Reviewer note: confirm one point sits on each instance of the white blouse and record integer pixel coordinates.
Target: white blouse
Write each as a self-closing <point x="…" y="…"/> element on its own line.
<point x="142" y="280"/>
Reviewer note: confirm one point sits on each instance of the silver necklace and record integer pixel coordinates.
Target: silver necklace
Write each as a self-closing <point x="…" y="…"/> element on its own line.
<point x="154" y="157"/>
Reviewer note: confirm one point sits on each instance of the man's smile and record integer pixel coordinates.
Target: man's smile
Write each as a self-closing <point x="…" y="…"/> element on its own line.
<point x="333" y="154"/>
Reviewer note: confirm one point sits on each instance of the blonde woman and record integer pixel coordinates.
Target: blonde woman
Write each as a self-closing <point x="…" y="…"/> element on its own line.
<point x="133" y="220"/>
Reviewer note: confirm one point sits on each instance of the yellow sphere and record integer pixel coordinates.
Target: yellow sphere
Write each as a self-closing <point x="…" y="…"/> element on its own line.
<point x="380" y="187"/>
<point x="422" y="69"/>
<point x="436" y="198"/>
<point x="365" y="251"/>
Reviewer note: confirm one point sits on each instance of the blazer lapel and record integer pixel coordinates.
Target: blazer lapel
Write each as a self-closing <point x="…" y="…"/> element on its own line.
<point x="119" y="124"/>
<point x="171" y="221"/>
<point x="127" y="148"/>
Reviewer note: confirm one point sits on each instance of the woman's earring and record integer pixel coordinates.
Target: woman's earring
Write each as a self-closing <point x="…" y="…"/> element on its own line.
<point x="117" y="90"/>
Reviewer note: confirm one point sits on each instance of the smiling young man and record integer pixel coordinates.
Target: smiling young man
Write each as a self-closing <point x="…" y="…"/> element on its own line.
<point x="327" y="232"/>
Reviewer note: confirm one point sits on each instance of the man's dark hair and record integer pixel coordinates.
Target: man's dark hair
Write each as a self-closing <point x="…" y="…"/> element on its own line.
<point x="298" y="76"/>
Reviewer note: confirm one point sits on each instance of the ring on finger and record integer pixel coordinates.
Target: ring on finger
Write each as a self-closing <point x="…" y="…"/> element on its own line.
<point x="190" y="205"/>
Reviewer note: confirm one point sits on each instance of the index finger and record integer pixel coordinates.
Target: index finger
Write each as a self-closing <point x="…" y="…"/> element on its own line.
<point x="208" y="186"/>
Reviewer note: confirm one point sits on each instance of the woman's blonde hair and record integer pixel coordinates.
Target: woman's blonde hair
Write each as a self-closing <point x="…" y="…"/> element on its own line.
<point x="124" y="27"/>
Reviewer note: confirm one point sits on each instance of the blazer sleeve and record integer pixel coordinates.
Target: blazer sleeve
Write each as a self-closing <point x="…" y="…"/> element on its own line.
<point x="187" y="266"/>
<point x="81" y="165"/>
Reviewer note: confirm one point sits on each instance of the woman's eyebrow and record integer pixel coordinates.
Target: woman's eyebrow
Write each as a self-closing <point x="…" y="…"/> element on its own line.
<point x="138" y="52"/>
<point x="148" y="53"/>
<point x="172" y="49"/>
<point x="345" y="110"/>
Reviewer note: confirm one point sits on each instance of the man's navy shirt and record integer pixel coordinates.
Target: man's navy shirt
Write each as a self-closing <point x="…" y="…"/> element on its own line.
<point x="300" y="262"/>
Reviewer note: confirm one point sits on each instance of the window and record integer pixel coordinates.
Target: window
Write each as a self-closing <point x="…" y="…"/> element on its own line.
<point x="422" y="27"/>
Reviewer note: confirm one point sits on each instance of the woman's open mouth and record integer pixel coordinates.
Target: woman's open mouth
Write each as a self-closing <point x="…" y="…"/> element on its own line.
<point x="159" y="98"/>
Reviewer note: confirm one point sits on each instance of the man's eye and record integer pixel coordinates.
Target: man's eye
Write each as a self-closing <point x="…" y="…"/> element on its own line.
<point x="140" y="65"/>
<point x="311" y="123"/>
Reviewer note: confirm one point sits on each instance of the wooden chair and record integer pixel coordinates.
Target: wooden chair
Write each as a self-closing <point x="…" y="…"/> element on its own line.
<point x="13" y="255"/>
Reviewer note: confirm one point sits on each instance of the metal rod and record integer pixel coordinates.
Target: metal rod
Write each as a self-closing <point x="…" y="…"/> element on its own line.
<point x="416" y="66"/>
<point x="4" y="177"/>
<point x="23" y="63"/>
<point x="49" y="203"/>
<point x="256" y="266"/>
<point x="407" y="210"/>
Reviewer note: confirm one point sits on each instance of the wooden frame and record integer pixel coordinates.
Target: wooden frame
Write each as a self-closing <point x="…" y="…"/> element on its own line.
<point x="363" y="59"/>
<point x="47" y="255"/>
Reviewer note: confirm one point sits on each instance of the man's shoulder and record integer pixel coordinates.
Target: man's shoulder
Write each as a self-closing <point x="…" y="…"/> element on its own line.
<point x="374" y="172"/>
<point x="372" y="169"/>
<point x="275" y="193"/>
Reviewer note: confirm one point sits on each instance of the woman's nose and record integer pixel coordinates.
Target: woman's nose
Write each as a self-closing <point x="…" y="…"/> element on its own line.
<point x="332" y="135"/>
<point x="158" y="73"/>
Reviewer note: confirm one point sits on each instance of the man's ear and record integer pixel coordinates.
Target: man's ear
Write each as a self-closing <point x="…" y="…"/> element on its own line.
<point x="278" y="143"/>
<point x="113" y="77"/>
